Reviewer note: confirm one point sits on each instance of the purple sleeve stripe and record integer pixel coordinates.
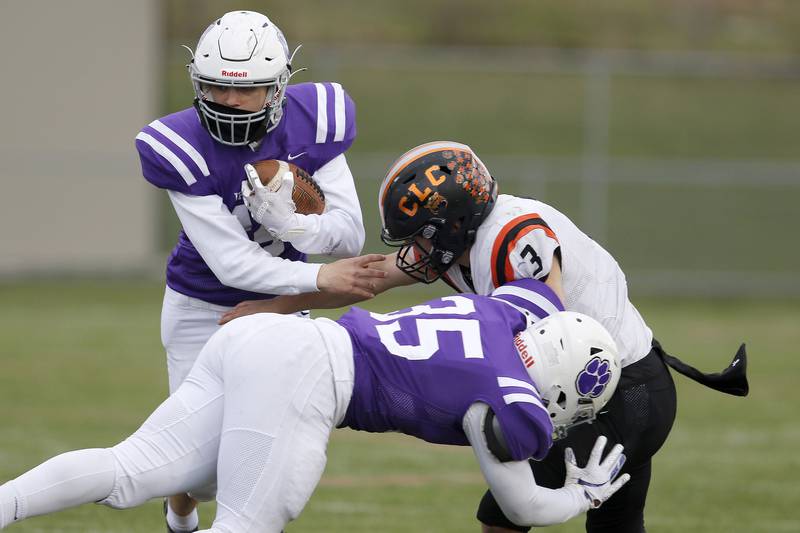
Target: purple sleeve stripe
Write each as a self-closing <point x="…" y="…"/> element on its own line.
<point x="523" y="397"/>
<point x="504" y="381"/>
<point x="182" y="145"/>
<point x="177" y="147"/>
<point x="159" y="148"/>
<point x="533" y="291"/>
<point x="524" y="305"/>
<point x="535" y="438"/>
<point x="543" y="419"/>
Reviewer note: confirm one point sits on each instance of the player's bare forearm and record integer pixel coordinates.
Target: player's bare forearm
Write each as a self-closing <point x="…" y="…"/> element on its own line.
<point x="290" y="304"/>
<point x="369" y="275"/>
<point x="394" y="276"/>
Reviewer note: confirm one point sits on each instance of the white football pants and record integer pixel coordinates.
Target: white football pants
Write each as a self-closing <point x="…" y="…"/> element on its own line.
<point x="256" y="412"/>
<point x="186" y="325"/>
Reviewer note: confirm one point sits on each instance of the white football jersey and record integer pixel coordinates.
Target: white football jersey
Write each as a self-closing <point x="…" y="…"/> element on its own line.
<point x="518" y="240"/>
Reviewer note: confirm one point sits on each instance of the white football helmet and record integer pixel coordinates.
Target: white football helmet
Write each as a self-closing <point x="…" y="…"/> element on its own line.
<point x="241" y="49"/>
<point x="574" y="363"/>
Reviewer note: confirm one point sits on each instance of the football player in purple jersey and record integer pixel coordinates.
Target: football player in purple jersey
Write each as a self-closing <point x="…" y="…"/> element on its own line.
<point x="440" y="206"/>
<point x="245" y="111"/>
<point x="505" y="374"/>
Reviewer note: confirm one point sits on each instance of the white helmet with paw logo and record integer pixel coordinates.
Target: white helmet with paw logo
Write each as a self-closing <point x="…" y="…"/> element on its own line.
<point x="574" y="363"/>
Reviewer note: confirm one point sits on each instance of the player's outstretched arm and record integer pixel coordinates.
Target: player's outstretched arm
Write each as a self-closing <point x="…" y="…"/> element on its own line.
<point x="343" y="282"/>
<point x="354" y="277"/>
<point x="515" y="489"/>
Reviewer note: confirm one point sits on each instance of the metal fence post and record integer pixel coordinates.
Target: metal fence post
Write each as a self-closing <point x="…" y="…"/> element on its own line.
<point x="594" y="176"/>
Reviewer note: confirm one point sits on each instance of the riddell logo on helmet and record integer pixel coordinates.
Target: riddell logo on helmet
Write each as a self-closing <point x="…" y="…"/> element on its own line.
<point x="522" y="348"/>
<point x="235" y="73"/>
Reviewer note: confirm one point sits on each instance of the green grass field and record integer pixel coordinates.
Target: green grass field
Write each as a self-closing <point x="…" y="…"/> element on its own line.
<point x="81" y="366"/>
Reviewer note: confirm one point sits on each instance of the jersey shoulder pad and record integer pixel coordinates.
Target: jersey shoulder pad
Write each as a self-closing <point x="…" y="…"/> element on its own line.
<point x="321" y="120"/>
<point x="520" y="246"/>
<point x="171" y="153"/>
<point x="530" y="296"/>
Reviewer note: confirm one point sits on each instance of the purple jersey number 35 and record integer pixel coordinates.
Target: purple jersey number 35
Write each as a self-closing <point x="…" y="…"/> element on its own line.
<point x="428" y="329"/>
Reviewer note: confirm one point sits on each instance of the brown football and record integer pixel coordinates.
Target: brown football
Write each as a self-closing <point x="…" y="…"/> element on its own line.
<point x="308" y="197"/>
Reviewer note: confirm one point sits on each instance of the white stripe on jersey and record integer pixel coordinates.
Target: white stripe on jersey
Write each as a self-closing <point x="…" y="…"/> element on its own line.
<point x="322" y="113"/>
<point x="513" y="382"/>
<point x="167" y="154"/>
<point x="181" y="143"/>
<point x="525" y="294"/>
<point x="531" y="317"/>
<point x="338" y="100"/>
<point x="522" y="397"/>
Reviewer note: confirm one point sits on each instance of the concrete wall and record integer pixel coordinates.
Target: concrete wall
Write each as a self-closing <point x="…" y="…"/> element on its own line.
<point x="79" y="79"/>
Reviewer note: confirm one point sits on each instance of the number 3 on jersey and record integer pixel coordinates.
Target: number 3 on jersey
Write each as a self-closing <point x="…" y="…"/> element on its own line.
<point x="428" y="329"/>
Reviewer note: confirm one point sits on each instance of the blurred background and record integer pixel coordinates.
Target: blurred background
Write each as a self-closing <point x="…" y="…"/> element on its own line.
<point x="667" y="129"/>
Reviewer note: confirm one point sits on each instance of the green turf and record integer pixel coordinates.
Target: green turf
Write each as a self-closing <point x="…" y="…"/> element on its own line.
<point x="81" y="366"/>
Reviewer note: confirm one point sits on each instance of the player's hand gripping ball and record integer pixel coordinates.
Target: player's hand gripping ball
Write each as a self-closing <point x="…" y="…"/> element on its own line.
<point x="272" y="174"/>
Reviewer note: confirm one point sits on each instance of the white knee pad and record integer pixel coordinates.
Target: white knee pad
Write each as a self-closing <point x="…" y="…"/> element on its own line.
<point x="124" y="495"/>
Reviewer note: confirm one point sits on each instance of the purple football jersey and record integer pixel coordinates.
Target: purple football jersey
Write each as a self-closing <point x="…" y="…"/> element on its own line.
<point x="418" y="370"/>
<point x="178" y="154"/>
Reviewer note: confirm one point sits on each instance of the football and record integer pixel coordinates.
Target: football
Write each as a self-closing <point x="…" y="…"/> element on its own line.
<point x="307" y="196"/>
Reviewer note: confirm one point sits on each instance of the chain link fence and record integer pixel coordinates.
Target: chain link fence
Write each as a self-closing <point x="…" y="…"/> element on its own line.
<point x="684" y="165"/>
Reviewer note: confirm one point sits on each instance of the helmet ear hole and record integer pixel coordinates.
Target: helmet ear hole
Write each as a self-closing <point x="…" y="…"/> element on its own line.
<point x="562" y="399"/>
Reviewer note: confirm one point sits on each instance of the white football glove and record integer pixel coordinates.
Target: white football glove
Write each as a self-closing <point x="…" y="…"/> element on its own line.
<point x="273" y="210"/>
<point x="596" y="478"/>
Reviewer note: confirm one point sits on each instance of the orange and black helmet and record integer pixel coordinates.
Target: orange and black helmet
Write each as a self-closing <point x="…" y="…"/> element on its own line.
<point x="440" y="191"/>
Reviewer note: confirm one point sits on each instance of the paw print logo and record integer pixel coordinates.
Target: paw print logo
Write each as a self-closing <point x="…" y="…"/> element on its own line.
<point x="593" y="378"/>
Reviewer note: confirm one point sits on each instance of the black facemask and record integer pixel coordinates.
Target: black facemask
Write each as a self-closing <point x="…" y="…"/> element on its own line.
<point x="231" y="126"/>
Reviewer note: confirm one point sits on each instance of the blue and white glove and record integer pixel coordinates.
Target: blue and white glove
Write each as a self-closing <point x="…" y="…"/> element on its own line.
<point x="271" y="205"/>
<point x="596" y="479"/>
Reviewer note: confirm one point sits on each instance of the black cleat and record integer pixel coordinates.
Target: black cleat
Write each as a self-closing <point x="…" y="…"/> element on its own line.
<point x="169" y="529"/>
